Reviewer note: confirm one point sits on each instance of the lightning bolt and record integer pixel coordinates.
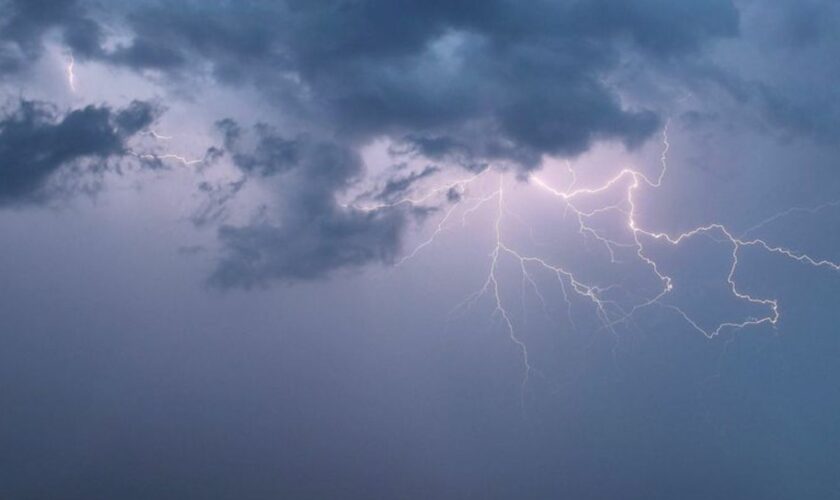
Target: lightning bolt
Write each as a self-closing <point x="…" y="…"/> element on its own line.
<point x="609" y="312"/>
<point x="159" y="137"/>
<point x="183" y="160"/>
<point x="71" y="76"/>
<point x="187" y="162"/>
<point x="636" y="179"/>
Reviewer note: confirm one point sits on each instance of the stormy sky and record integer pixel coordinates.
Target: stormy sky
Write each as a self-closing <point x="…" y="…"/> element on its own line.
<point x="344" y="249"/>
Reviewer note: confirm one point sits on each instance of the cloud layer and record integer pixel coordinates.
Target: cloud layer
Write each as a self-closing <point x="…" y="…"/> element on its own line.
<point x="468" y="83"/>
<point x="488" y="80"/>
<point x="36" y="142"/>
<point x="316" y="235"/>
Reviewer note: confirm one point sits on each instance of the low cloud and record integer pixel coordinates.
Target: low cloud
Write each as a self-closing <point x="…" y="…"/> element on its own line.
<point x="36" y="142"/>
<point x="315" y="236"/>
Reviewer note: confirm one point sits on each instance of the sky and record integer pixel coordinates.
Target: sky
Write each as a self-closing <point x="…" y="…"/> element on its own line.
<point x="578" y="249"/>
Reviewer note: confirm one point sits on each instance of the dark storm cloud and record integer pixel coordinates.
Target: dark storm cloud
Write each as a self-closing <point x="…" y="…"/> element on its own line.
<point x="214" y="208"/>
<point x="24" y="24"/>
<point x="272" y="155"/>
<point x="466" y="81"/>
<point x="316" y="235"/>
<point x="36" y="142"/>
<point x="499" y="79"/>
<point x="804" y="100"/>
<point x="469" y="82"/>
<point x="783" y="71"/>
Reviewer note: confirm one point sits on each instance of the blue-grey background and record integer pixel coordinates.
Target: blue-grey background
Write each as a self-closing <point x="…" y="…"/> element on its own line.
<point x="145" y="353"/>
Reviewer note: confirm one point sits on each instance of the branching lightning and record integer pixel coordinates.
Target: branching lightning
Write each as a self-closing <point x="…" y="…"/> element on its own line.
<point x="609" y="313"/>
<point x="183" y="160"/>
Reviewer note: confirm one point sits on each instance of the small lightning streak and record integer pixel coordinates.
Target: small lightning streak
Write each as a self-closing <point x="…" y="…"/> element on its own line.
<point x="790" y="211"/>
<point x="491" y="285"/>
<point x="159" y="137"/>
<point x="180" y="159"/>
<point x="183" y="160"/>
<point x="458" y="185"/>
<point x="71" y="76"/>
<point x="440" y="227"/>
<point x="187" y="162"/>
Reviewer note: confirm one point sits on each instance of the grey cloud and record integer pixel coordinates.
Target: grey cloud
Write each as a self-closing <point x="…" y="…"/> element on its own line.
<point x="135" y="117"/>
<point x="499" y="79"/>
<point x="315" y="235"/>
<point x="469" y="82"/>
<point x="273" y="153"/>
<point x="789" y="91"/>
<point x="214" y="208"/>
<point x="25" y="23"/>
<point x="800" y="114"/>
<point x="313" y="245"/>
<point x="400" y="185"/>
<point x="145" y="54"/>
<point x="36" y="142"/>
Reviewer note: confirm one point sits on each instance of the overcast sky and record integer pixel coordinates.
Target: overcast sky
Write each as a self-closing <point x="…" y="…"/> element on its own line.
<point x="580" y="249"/>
